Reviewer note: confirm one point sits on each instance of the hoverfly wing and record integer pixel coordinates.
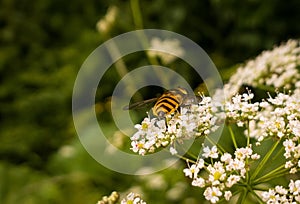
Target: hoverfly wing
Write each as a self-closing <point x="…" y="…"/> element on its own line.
<point x="191" y="100"/>
<point x="139" y="104"/>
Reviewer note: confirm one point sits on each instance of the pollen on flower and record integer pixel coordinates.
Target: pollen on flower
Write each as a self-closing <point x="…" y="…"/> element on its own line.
<point x="212" y="194"/>
<point x="222" y="174"/>
<point x="194" y="121"/>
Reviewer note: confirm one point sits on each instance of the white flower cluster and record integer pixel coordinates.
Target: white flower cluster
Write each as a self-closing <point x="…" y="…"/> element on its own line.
<point x="105" y="24"/>
<point x="171" y="47"/>
<point x="111" y="199"/>
<point x="282" y="195"/>
<point x="220" y="173"/>
<point x="192" y="121"/>
<point x="277" y="68"/>
<point x="240" y="110"/>
<point x="277" y="117"/>
<point x="219" y="176"/>
<point x="292" y="155"/>
<point x="132" y="198"/>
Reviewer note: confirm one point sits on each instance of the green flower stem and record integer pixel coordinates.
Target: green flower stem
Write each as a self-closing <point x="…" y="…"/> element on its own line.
<point x="279" y="169"/>
<point x="243" y="197"/>
<point x="119" y="64"/>
<point x="248" y="145"/>
<point x="121" y="69"/>
<point x="216" y="144"/>
<point x="136" y="13"/>
<point x="259" y="188"/>
<point x="138" y="22"/>
<point x="275" y="176"/>
<point x="264" y="161"/>
<point x="185" y="158"/>
<point x="257" y="197"/>
<point x="188" y="153"/>
<point x="279" y="153"/>
<point x="248" y="189"/>
<point x="248" y="134"/>
<point x="191" y="155"/>
<point x="232" y="137"/>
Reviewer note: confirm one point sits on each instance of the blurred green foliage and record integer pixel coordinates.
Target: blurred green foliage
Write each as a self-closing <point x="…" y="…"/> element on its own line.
<point x="44" y="43"/>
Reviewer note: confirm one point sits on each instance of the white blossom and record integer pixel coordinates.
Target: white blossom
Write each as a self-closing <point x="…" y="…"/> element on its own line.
<point x="199" y="182"/>
<point x="210" y="152"/>
<point x="212" y="194"/>
<point x="105" y="24"/>
<point x="167" y="50"/>
<point x="227" y="195"/>
<point x="283" y="195"/>
<point x="274" y="68"/>
<point x="192" y="171"/>
<point x="132" y="198"/>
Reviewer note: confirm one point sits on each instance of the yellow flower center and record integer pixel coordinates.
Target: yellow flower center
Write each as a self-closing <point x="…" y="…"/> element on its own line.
<point x="144" y="126"/>
<point x="140" y="145"/>
<point x="217" y="175"/>
<point x="278" y="125"/>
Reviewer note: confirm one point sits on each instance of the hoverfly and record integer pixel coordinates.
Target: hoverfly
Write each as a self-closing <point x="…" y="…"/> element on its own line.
<point x="167" y="103"/>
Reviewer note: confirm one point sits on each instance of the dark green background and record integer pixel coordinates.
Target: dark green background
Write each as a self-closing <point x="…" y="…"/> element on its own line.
<point x="44" y="43"/>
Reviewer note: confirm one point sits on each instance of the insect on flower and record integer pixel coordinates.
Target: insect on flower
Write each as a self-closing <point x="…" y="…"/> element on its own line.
<point x="168" y="103"/>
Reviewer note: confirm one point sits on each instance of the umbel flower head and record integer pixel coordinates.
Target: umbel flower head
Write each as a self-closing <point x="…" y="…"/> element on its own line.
<point x="222" y="173"/>
<point x="270" y="126"/>
<point x="272" y="69"/>
<point x="216" y="170"/>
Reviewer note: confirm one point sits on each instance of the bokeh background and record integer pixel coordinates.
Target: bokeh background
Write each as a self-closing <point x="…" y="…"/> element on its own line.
<point x="42" y="46"/>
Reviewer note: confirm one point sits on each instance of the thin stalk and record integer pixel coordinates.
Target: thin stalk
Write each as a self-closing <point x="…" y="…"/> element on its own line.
<point x="275" y="176"/>
<point x="248" y="134"/>
<point x="136" y="13"/>
<point x="257" y="197"/>
<point x="138" y="22"/>
<point x="232" y="137"/>
<point x="185" y="158"/>
<point x="271" y="173"/>
<point x="261" y="188"/>
<point x="191" y="155"/>
<point x="248" y="145"/>
<point x="279" y="153"/>
<point x="264" y="161"/>
<point x="270" y="176"/>
<point x="243" y="196"/>
<point x="121" y="68"/>
<point x="216" y="144"/>
<point x="187" y="152"/>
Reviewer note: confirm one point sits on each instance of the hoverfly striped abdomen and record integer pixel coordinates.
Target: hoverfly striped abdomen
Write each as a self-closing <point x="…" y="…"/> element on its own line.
<point x="169" y="102"/>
